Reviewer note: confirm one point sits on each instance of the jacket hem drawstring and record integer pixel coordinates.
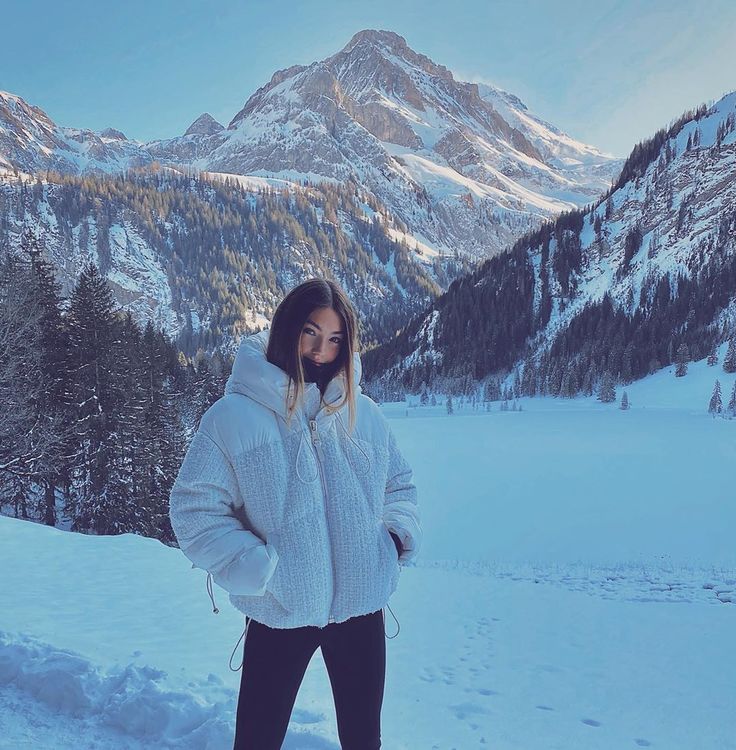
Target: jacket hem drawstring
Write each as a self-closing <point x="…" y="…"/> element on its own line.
<point x="398" y="627"/>
<point x="243" y="635"/>
<point x="211" y="593"/>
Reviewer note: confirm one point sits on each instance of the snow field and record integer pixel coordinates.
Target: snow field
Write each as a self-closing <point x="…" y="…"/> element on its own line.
<point x="575" y="591"/>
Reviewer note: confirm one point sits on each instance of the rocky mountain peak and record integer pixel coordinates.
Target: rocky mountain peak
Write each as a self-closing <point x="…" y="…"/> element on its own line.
<point x="205" y="124"/>
<point x="378" y="37"/>
<point x="462" y="165"/>
<point x="114" y="134"/>
<point x="16" y="112"/>
<point x="387" y="55"/>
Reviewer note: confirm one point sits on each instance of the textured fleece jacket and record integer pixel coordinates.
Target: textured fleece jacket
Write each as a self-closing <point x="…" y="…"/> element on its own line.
<point x="294" y="520"/>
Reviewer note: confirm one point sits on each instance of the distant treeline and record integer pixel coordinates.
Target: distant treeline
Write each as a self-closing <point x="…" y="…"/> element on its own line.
<point x="230" y="253"/>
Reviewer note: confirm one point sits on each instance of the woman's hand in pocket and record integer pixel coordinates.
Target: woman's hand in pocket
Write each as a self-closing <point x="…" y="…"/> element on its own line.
<point x="397" y="543"/>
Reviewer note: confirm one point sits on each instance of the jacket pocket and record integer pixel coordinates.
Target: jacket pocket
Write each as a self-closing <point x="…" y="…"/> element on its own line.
<point x="389" y="542"/>
<point x="273" y="586"/>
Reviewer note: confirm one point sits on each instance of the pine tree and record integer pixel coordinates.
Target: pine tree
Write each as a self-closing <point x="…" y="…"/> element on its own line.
<point x="53" y="407"/>
<point x="448" y="404"/>
<point x="491" y="390"/>
<point x="712" y="357"/>
<point x="607" y="391"/>
<point x="424" y="398"/>
<point x="21" y="387"/>
<point x="625" y="401"/>
<point x="207" y="386"/>
<point x="681" y="360"/>
<point x="128" y="440"/>
<point x="161" y="433"/>
<point x="732" y="401"/>
<point x="92" y="331"/>
<point x="716" y="405"/>
<point x="729" y="361"/>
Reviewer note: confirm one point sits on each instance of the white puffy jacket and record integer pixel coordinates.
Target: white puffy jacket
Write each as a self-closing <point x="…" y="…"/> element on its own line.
<point x="293" y="520"/>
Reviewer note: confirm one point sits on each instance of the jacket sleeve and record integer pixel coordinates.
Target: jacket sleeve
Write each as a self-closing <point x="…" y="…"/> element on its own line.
<point x="400" y="510"/>
<point x="201" y="509"/>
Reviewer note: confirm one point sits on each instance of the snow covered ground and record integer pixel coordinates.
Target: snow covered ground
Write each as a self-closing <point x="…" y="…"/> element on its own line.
<point x="576" y="591"/>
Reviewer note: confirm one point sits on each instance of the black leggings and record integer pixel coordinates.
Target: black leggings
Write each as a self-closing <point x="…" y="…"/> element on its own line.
<point x="274" y="663"/>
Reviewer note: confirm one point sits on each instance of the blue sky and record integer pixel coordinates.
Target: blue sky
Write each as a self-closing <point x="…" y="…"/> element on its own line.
<point x="609" y="72"/>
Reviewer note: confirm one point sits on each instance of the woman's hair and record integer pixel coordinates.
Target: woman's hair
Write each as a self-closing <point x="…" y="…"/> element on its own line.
<point x="285" y="335"/>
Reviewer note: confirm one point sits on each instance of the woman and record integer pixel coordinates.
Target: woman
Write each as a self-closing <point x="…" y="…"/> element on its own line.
<point x="294" y="496"/>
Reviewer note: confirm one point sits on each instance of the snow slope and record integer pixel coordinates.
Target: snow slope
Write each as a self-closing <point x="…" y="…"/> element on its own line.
<point x="576" y="590"/>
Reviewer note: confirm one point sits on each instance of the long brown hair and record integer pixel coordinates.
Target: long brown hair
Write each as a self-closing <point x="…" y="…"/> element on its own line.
<point x="286" y="330"/>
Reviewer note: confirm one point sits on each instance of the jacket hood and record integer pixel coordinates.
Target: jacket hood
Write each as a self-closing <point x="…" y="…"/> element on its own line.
<point x="254" y="376"/>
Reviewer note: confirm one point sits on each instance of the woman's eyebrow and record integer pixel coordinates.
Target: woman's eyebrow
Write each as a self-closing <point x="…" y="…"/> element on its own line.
<point x="311" y="322"/>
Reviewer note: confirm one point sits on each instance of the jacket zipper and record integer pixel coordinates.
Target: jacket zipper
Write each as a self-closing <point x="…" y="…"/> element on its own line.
<point x="316" y="443"/>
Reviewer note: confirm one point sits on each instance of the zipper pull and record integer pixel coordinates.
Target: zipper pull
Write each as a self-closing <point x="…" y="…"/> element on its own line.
<point x="313" y="428"/>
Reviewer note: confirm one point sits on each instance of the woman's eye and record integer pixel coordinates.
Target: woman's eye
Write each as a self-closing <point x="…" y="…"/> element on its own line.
<point x="308" y="330"/>
<point x="336" y="341"/>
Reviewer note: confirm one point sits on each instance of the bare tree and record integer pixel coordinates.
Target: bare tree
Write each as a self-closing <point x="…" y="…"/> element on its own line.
<point x="20" y="441"/>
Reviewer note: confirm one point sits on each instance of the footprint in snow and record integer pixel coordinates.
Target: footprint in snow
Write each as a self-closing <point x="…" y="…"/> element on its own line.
<point x="463" y="710"/>
<point x="487" y="691"/>
<point x="591" y="722"/>
<point x="303" y="716"/>
<point x="428" y="675"/>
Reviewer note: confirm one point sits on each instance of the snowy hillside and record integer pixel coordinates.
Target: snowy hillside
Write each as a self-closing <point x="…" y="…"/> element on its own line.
<point x="576" y="589"/>
<point x="618" y="287"/>
<point x="205" y="256"/>
<point x="678" y="203"/>
<point x="577" y="161"/>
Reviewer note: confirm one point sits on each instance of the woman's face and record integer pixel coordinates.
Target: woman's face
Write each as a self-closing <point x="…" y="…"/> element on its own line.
<point x="322" y="335"/>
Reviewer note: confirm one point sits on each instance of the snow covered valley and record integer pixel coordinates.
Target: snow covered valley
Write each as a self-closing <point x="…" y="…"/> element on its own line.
<point x="576" y="590"/>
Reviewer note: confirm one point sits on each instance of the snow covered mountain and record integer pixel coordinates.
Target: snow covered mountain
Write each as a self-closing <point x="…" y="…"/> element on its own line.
<point x="465" y="166"/>
<point x="31" y="142"/>
<point x="619" y="288"/>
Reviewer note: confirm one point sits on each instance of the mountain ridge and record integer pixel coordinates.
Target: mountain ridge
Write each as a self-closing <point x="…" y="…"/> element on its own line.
<point x="441" y="157"/>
